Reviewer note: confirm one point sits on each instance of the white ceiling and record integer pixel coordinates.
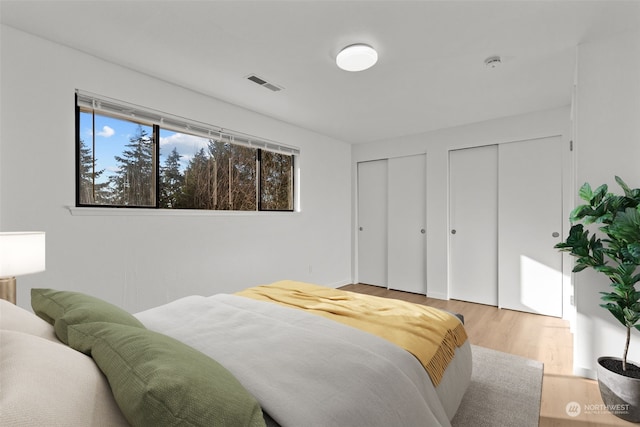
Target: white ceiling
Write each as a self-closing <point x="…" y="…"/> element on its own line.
<point x="430" y="73"/>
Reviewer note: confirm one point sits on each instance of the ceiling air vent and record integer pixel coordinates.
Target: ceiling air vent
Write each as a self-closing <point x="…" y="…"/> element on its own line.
<point x="262" y="82"/>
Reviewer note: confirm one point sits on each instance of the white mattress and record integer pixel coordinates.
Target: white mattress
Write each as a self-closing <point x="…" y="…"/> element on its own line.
<point x="308" y="370"/>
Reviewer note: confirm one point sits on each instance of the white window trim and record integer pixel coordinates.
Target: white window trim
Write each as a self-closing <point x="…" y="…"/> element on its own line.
<point x="117" y="211"/>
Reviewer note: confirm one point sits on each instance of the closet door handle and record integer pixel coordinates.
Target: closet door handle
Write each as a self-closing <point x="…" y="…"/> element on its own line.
<point x="453" y="231"/>
<point x="423" y="231"/>
<point x="555" y="234"/>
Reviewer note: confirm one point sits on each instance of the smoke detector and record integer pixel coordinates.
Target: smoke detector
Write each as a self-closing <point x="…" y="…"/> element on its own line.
<point x="493" y="62"/>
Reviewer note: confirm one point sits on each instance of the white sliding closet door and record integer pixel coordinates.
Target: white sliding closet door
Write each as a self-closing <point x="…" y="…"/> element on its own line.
<point x="407" y="212"/>
<point x="530" y="209"/>
<point x="473" y="238"/>
<point x="372" y="222"/>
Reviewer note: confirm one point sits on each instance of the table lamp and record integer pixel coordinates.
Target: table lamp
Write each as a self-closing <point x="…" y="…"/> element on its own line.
<point x="20" y="253"/>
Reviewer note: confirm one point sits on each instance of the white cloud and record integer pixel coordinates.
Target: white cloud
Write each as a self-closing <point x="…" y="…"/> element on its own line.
<point x="184" y="142"/>
<point x="187" y="146"/>
<point x="106" y="132"/>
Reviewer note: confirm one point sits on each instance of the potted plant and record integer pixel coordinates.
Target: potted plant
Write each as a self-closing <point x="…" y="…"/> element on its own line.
<point x="614" y="252"/>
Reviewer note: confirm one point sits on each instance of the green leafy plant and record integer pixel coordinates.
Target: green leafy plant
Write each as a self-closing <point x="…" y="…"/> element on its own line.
<point x="615" y="252"/>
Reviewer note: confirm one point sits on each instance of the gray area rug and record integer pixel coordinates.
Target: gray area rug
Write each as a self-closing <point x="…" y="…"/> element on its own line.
<point x="505" y="390"/>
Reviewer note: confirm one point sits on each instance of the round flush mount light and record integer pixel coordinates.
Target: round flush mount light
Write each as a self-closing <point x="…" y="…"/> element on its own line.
<point x="357" y="57"/>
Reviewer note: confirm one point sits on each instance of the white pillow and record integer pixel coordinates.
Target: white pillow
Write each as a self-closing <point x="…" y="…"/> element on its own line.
<point x="18" y="319"/>
<point x="45" y="383"/>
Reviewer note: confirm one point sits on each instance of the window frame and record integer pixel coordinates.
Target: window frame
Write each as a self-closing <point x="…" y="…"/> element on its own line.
<point x="258" y="144"/>
<point x="155" y="166"/>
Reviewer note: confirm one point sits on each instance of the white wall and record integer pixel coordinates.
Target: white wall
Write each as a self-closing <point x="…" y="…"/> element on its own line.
<point x="608" y="144"/>
<point x="436" y="145"/>
<point x="138" y="261"/>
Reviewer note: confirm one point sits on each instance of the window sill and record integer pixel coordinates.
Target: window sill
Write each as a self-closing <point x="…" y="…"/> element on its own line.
<point x="86" y="211"/>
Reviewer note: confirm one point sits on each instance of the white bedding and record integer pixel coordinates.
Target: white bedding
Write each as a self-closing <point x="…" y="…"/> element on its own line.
<point x="308" y="370"/>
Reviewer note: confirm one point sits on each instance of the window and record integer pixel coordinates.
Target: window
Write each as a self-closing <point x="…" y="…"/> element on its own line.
<point x="133" y="157"/>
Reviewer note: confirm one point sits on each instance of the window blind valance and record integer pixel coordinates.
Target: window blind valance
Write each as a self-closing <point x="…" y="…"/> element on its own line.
<point x="130" y="111"/>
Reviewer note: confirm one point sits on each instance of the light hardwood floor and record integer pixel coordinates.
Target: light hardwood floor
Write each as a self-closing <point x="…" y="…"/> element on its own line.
<point x="542" y="338"/>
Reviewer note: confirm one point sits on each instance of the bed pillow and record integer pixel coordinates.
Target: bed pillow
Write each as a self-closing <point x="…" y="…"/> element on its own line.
<point x="65" y="308"/>
<point x="160" y="381"/>
<point x="46" y="383"/>
<point x="14" y="318"/>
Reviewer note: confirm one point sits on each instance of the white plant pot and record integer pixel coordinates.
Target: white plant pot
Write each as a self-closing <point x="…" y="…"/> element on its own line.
<point x="620" y="394"/>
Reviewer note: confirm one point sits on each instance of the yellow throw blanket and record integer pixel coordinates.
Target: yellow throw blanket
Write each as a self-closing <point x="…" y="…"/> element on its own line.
<point x="429" y="334"/>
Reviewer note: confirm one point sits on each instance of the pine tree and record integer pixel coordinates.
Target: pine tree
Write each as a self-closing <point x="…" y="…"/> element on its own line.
<point x="91" y="192"/>
<point x="133" y="183"/>
<point x="171" y="181"/>
<point x="198" y="190"/>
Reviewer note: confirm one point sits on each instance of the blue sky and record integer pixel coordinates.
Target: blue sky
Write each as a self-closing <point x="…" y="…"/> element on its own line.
<point x="112" y="135"/>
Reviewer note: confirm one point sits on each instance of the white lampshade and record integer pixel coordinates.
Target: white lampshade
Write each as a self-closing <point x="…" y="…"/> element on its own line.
<point x="357" y="57"/>
<point x="22" y="253"/>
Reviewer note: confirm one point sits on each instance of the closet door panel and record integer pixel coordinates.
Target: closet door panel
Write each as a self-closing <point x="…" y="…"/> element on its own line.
<point x="372" y="222"/>
<point x="407" y="234"/>
<point x="530" y="212"/>
<point x="473" y="224"/>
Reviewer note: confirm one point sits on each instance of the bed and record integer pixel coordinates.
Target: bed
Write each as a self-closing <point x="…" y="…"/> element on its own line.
<point x="284" y="354"/>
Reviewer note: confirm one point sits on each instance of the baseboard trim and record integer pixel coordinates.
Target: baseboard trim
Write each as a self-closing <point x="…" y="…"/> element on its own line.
<point x="437" y="295"/>
<point x="585" y="372"/>
<point x="339" y="283"/>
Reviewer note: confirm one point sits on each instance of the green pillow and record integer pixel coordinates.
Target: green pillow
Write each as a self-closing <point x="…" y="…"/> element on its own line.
<point x="65" y="308"/>
<point x="159" y="381"/>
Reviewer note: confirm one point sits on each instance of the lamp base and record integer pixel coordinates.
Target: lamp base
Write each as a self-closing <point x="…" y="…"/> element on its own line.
<point x="8" y="289"/>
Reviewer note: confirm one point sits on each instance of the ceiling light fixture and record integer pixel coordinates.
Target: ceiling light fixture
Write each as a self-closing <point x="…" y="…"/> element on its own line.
<point x="357" y="57"/>
<point x="493" y="62"/>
